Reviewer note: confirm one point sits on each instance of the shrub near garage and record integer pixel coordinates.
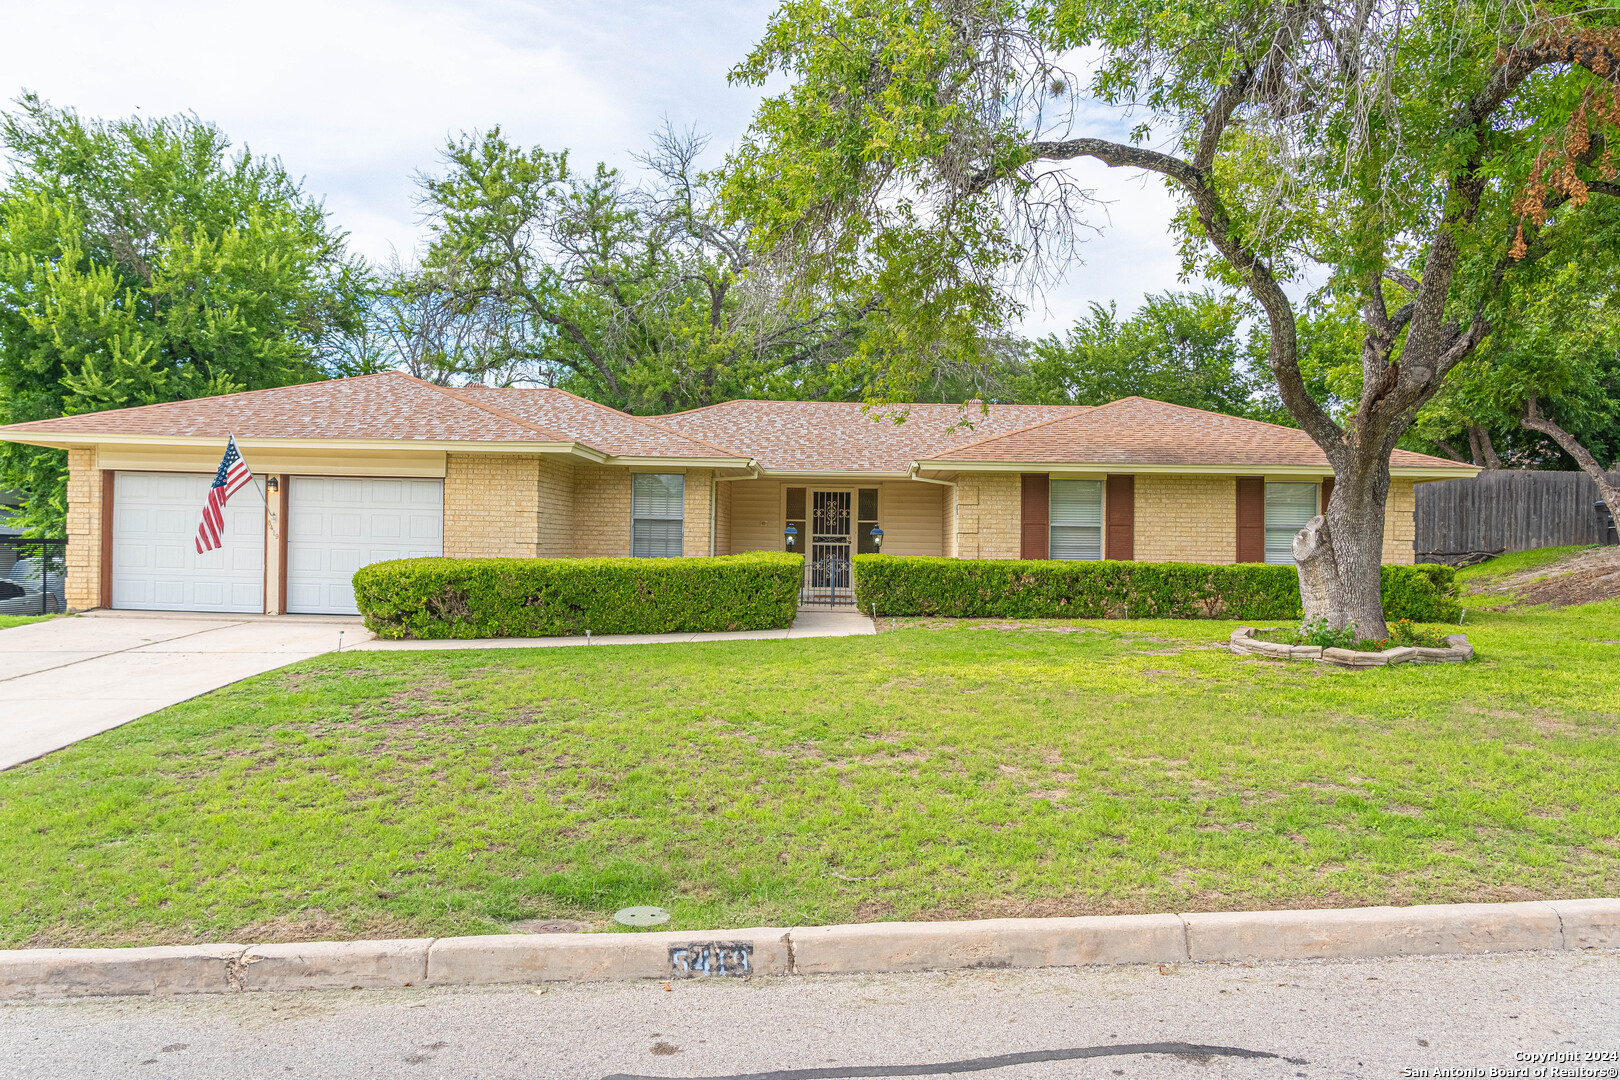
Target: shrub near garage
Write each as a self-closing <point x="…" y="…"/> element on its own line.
<point x="474" y="598"/>
<point x="1043" y="588"/>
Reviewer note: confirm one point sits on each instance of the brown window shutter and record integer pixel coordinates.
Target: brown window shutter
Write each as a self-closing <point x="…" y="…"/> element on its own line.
<point x="1327" y="493"/>
<point x="1121" y="518"/>
<point x="1035" y="516"/>
<point x="1251" y="519"/>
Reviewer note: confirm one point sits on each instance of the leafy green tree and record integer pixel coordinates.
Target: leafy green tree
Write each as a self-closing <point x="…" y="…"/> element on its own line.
<point x="636" y="295"/>
<point x="1543" y="391"/>
<point x="1421" y="150"/>
<point x="1186" y="348"/>
<point x="139" y="263"/>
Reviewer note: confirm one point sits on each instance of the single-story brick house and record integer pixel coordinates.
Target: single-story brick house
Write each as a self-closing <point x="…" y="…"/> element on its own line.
<point x="387" y="466"/>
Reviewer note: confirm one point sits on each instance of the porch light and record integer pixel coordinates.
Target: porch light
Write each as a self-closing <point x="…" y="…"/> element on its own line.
<point x="790" y="532"/>
<point x="877" y="537"/>
<point x="272" y="483"/>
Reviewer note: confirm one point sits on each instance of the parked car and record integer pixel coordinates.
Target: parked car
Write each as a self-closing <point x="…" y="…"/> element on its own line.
<point x="22" y="592"/>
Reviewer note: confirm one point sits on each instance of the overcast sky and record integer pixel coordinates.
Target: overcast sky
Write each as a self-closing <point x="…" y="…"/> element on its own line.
<point x="357" y="95"/>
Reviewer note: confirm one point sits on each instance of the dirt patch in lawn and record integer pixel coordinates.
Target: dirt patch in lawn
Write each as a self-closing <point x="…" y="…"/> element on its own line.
<point x="1582" y="578"/>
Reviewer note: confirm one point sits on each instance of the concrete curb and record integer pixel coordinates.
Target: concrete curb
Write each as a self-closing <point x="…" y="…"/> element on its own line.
<point x="1424" y="930"/>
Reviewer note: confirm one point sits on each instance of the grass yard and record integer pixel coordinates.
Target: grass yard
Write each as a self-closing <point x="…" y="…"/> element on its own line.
<point x="8" y="621"/>
<point x="930" y="772"/>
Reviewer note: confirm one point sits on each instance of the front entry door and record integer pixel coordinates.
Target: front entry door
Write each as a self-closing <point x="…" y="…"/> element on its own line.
<point x="827" y="572"/>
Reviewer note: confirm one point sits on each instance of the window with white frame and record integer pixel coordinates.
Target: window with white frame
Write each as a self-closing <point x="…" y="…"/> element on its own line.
<point x="1076" y="519"/>
<point x="657" y="514"/>
<point x="1289" y="508"/>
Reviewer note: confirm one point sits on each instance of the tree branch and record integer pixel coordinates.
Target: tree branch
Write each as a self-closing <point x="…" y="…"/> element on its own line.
<point x="1534" y="421"/>
<point x="1256" y="273"/>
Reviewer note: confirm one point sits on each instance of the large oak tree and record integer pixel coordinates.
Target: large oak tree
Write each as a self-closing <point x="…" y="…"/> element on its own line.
<point x="1418" y="149"/>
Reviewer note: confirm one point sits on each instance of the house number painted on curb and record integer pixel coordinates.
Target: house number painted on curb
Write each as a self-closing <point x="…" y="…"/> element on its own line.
<point x="710" y="958"/>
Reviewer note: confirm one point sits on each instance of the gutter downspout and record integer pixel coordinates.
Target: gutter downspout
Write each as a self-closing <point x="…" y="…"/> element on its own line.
<point x="714" y="496"/>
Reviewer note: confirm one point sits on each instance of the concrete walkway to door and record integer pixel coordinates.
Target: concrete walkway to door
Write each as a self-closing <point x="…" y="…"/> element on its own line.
<point x="70" y="678"/>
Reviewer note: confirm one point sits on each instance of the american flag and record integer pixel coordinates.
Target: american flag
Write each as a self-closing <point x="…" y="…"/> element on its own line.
<point x="232" y="475"/>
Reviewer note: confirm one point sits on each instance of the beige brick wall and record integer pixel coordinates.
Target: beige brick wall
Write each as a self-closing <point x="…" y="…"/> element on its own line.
<point x="987" y="516"/>
<point x="695" y="531"/>
<point x="555" y="497"/>
<point x="83" y="584"/>
<point x="601" y="511"/>
<point x="491" y="505"/>
<point x="1399" y="528"/>
<point x="1186" y="518"/>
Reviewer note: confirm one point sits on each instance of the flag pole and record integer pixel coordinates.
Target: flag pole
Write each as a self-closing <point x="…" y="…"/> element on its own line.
<point x="268" y="514"/>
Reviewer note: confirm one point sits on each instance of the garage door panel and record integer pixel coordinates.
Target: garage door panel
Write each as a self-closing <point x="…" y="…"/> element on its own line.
<point x="155" y="562"/>
<point x="340" y="525"/>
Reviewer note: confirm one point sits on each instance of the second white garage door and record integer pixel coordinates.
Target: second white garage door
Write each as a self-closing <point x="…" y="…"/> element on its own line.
<point x="340" y="525"/>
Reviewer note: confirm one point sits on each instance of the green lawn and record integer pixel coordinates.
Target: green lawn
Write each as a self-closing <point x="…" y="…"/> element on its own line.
<point x="8" y="621"/>
<point x="926" y="773"/>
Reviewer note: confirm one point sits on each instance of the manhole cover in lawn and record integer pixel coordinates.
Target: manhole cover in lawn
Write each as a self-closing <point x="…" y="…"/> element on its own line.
<point x="641" y="916"/>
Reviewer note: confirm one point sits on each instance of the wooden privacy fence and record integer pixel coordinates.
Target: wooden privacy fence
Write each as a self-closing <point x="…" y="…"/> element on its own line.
<point x="1507" y="509"/>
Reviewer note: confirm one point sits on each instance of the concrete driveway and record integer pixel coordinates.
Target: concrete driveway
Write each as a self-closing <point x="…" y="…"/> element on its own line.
<point x="68" y="679"/>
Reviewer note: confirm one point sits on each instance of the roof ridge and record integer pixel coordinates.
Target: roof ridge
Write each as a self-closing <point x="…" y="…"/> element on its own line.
<point x="628" y="416"/>
<point x="1028" y="427"/>
<point x="649" y="421"/>
<point x="502" y="413"/>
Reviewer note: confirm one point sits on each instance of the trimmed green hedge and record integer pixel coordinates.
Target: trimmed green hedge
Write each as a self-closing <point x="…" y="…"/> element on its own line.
<point x="1031" y="589"/>
<point x="474" y="598"/>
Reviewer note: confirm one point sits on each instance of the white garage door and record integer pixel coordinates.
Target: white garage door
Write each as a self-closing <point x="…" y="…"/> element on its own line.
<point x="340" y="525"/>
<point x="155" y="562"/>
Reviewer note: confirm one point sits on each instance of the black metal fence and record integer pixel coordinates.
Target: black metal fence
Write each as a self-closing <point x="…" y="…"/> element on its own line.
<point x="32" y="576"/>
<point x="1508" y="510"/>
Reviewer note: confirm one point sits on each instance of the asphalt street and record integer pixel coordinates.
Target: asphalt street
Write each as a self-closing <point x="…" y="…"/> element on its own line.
<point x="1316" y="1019"/>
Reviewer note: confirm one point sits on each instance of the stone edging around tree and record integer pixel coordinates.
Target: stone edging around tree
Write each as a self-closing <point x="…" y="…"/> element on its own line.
<point x="1244" y="642"/>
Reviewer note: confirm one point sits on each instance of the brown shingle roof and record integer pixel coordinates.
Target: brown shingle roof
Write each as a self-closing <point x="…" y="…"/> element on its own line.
<point x="785" y="436"/>
<point x="390" y="405"/>
<point x="603" y="428"/>
<point x="838" y="436"/>
<point x="1140" y="431"/>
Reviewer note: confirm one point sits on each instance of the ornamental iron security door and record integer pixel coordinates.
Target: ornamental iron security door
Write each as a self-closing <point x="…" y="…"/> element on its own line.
<point x="827" y="577"/>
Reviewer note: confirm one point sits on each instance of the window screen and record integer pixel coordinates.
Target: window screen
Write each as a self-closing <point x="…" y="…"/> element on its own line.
<point x="1077" y="508"/>
<point x="657" y="510"/>
<point x="1289" y="507"/>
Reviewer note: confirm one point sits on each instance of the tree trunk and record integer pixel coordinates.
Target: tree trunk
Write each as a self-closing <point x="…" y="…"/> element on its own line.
<point x="1534" y="421"/>
<point x="1339" y="557"/>
<point x="1479" y="440"/>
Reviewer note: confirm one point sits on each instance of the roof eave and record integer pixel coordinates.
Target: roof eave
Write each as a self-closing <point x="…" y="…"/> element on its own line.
<point x="1415" y="472"/>
<point x="833" y="474"/>
<point x="666" y="460"/>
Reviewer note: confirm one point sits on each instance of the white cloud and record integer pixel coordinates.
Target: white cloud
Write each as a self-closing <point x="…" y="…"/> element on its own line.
<point x="358" y="95"/>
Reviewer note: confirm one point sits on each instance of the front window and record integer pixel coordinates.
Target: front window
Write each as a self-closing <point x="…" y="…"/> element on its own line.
<point x="657" y="514"/>
<point x="1076" y="519"/>
<point x="866" y="511"/>
<point x="1289" y="508"/>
